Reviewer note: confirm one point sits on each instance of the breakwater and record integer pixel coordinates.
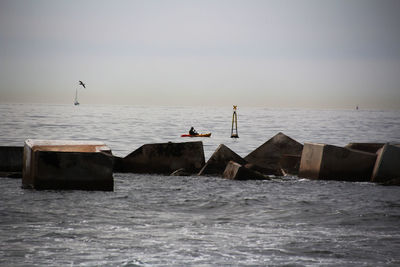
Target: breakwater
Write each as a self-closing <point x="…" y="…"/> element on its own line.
<point x="53" y="164"/>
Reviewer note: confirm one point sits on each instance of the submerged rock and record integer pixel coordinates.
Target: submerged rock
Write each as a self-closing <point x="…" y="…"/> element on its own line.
<point x="164" y="158"/>
<point x="219" y="159"/>
<point x="328" y="162"/>
<point x="268" y="155"/>
<point x="60" y="165"/>
<point x="180" y="172"/>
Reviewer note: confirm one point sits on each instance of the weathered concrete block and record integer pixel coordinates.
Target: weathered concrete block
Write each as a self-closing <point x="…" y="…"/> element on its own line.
<point x="290" y="164"/>
<point x="11" y="158"/>
<point x="387" y="165"/>
<point x="58" y="164"/>
<point x="164" y="158"/>
<point x="327" y="162"/>
<point x="269" y="170"/>
<point x="216" y="164"/>
<point x="118" y="164"/>
<point x="235" y="171"/>
<point x="269" y="154"/>
<point x="366" y="147"/>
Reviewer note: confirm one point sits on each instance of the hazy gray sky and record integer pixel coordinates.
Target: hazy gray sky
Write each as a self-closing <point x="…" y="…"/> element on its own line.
<point x="300" y="53"/>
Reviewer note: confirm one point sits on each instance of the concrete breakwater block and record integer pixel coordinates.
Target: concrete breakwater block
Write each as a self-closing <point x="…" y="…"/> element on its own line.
<point x="164" y="158"/>
<point x="387" y="165"/>
<point x="118" y="164"/>
<point x="328" y="162"/>
<point x="290" y="164"/>
<point x="216" y="164"/>
<point x="268" y="155"/>
<point x="11" y="158"/>
<point x="366" y="147"/>
<point x="61" y="165"/>
<point x="236" y="171"/>
<point x="270" y="170"/>
<point x="11" y="161"/>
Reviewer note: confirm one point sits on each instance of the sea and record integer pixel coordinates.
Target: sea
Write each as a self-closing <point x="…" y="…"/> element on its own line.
<point x="156" y="220"/>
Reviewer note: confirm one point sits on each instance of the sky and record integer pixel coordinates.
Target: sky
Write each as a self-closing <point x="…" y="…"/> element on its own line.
<point x="269" y="53"/>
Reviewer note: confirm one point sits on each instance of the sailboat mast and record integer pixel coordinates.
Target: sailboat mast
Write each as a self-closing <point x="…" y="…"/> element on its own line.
<point x="76" y="97"/>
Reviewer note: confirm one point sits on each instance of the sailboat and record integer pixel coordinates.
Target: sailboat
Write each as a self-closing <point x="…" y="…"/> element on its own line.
<point x="76" y="103"/>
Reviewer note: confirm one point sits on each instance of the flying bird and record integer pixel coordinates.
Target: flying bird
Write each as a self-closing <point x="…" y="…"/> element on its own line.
<point x="81" y="83"/>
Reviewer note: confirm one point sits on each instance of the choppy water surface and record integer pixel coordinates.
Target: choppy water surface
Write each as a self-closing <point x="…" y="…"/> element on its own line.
<point x="152" y="220"/>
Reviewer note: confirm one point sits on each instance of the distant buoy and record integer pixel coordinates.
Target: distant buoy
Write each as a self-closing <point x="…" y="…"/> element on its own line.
<point x="234" y="130"/>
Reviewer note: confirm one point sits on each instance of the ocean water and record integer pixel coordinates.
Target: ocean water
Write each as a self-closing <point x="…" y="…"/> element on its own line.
<point x="152" y="220"/>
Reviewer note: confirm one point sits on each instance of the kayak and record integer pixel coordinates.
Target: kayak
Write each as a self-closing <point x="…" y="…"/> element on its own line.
<point x="196" y="135"/>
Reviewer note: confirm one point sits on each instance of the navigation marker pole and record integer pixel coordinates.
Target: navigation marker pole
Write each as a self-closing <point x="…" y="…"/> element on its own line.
<point x="234" y="122"/>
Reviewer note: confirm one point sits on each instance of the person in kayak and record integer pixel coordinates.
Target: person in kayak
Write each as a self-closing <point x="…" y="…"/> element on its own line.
<point x="192" y="131"/>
